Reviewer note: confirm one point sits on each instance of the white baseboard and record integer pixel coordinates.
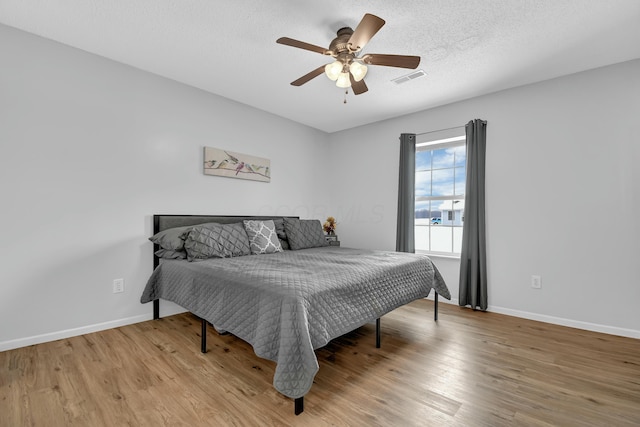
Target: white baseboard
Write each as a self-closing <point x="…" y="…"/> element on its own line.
<point x="39" y="339"/>
<point x="68" y="333"/>
<point x="594" y="327"/>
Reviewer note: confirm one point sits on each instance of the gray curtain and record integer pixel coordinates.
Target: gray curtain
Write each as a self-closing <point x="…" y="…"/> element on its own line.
<point x="473" y="257"/>
<point x="405" y="237"/>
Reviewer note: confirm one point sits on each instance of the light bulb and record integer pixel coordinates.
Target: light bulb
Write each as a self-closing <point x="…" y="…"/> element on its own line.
<point x="343" y="80"/>
<point x="333" y="70"/>
<point x="358" y="70"/>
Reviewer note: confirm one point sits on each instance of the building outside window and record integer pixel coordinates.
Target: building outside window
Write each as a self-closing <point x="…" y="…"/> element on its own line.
<point x="440" y="191"/>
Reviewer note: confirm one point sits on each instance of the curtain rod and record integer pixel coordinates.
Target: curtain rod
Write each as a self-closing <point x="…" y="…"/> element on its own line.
<point x="440" y="130"/>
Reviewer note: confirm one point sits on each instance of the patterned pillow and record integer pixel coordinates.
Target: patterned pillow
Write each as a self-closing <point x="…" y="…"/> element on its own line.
<point x="304" y="233"/>
<point x="215" y="240"/>
<point x="263" y="238"/>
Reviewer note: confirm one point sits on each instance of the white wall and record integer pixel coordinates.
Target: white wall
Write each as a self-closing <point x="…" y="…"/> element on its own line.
<point x="570" y="141"/>
<point x="89" y="150"/>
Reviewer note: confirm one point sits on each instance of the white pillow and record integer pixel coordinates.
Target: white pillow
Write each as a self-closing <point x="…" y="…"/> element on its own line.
<point x="263" y="238"/>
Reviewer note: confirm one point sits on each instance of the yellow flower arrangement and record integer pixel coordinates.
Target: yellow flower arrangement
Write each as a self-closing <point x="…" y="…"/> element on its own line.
<point x="329" y="225"/>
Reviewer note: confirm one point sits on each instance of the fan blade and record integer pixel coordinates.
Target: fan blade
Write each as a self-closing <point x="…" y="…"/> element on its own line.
<point x="400" y="61"/>
<point x="315" y="73"/>
<point x="366" y="29"/>
<point x="358" y="87"/>
<point x="302" y="45"/>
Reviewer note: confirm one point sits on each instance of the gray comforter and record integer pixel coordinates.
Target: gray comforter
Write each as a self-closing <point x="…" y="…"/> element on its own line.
<point x="288" y="304"/>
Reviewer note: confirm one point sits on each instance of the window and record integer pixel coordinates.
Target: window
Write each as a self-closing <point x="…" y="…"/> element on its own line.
<point x="440" y="189"/>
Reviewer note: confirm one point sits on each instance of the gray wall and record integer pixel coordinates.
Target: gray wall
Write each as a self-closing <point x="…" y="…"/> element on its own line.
<point x="568" y="145"/>
<point x="89" y="150"/>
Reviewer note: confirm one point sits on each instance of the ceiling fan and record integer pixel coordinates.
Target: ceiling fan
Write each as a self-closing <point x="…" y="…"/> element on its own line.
<point x="349" y="69"/>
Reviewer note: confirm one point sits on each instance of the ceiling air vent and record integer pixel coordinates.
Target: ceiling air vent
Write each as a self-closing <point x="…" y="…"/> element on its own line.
<point x="409" y="77"/>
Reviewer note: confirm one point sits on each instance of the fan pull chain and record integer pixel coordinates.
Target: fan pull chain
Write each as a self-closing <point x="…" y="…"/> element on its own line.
<point x="345" y="95"/>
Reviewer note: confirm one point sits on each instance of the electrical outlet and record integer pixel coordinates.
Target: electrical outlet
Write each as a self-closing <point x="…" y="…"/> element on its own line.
<point x="118" y="286"/>
<point x="536" y="282"/>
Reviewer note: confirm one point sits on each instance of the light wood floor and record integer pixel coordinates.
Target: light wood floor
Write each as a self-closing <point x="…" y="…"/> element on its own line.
<point x="469" y="369"/>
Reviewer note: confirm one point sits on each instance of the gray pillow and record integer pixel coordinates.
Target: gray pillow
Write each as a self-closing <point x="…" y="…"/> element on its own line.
<point x="170" y="254"/>
<point x="171" y="239"/>
<point x="215" y="240"/>
<point x="263" y="238"/>
<point x="282" y="234"/>
<point x="304" y="233"/>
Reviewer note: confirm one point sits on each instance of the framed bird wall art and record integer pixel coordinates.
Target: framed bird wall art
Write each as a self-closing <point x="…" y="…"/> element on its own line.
<point x="236" y="165"/>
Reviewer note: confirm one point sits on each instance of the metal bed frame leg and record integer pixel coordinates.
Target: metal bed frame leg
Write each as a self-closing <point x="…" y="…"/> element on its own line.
<point x="435" y="310"/>
<point x="378" y="332"/>
<point x="203" y="337"/>
<point x="156" y="309"/>
<point x="299" y="405"/>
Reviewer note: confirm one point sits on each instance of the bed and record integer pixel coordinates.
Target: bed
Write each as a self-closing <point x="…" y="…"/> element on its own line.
<point x="285" y="303"/>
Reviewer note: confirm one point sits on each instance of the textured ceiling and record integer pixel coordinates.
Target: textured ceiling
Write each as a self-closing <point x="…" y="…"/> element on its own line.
<point x="468" y="48"/>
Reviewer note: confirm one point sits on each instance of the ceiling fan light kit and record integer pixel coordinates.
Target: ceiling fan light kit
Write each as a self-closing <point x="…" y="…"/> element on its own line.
<point x="344" y="81"/>
<point x="349" y="70"/>
<point x="358" y="70"/>
<point x="333" y="70"/>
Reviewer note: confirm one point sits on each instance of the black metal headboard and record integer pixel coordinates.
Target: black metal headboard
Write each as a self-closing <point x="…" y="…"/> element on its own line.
<point x="164" y="222"/>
